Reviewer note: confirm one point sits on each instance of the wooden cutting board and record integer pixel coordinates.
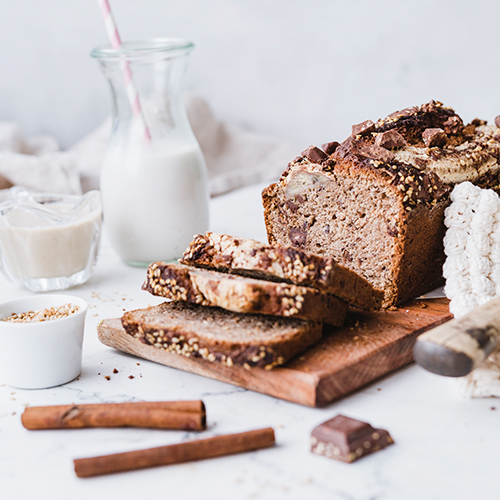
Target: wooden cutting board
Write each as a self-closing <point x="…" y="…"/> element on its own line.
<point x="369" y="346"/>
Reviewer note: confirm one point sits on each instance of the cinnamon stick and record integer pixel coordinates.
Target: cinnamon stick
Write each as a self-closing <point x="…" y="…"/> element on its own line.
<point x="188" y="415"/>
<point x="176" y="453"/>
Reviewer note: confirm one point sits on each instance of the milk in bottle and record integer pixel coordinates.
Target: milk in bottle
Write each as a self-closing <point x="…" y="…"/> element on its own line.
<point x="154" y="201"/>
<point x="153" y="178"/>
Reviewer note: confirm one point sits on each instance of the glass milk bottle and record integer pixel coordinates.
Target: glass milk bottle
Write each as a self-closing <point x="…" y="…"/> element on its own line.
<point x="153" y="180"/>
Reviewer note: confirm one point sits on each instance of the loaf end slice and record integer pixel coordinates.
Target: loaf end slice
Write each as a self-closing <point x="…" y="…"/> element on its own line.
<point x="217" y="335"/>
<point x="249" y="257"/>
<point x="242" y="294"/>
<point x="375" y="203"/>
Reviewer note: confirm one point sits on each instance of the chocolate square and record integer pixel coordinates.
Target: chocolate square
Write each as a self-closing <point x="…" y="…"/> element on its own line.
<point x="434" y="137"/>
<point x="347" y="439"/>
<point x="314" y="154"/>
<point x="390" y="139"/>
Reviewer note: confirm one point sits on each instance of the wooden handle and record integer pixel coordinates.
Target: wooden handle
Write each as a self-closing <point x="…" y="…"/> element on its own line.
<point x="459" y="346"/>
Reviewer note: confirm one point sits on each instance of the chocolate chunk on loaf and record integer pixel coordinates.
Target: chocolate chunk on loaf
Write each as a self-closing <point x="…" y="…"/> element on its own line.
<point x="248" y="257"/>
<point x="242" y="294"/>
<point x="218" y="335"/>
<point x="376" y="204"/>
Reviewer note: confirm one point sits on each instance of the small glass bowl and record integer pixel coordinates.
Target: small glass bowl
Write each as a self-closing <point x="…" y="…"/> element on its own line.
<point x="41" y="354"/>
<point x="49" y="241"/>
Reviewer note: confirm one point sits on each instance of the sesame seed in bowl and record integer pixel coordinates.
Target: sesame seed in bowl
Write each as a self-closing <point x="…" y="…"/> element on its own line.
<point x="47" y="314"/>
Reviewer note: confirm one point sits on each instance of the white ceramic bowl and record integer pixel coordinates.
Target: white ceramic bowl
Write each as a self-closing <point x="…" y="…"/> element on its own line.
<point x="41" y="354"/>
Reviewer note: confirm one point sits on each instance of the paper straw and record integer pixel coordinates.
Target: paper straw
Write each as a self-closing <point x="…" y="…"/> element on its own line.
<point x="116" y="43"/>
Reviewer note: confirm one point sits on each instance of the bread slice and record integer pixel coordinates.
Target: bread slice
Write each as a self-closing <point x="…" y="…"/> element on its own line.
<point x="248" y="257"/>
<point x="376" y="203"/>
<point x="218" y="335"/>
<point x="241" y="294"/>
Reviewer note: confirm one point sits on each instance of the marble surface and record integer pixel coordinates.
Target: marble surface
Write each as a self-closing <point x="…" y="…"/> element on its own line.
<point x="446" y="447"/>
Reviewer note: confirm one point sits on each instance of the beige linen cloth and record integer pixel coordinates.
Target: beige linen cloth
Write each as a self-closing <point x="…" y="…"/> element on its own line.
<point x="235" y="157"/>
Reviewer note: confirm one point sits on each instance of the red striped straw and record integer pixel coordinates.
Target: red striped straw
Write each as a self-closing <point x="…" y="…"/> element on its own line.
<point x="116" y="43"/>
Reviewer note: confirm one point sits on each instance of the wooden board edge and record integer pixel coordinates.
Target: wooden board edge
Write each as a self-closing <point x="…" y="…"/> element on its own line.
<point x="302" y="388"/>
<point x="329" y="390"/>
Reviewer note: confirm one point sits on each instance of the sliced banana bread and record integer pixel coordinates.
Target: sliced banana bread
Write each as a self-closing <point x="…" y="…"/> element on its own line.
<point x="376" y="202"/>
<point x="248" y="257"/>
<point x="242" y="294"/>
<point x="215" y="334"/>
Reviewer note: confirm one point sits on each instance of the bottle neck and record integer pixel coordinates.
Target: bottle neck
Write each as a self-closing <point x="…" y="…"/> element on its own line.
<point x="158" y="86"/>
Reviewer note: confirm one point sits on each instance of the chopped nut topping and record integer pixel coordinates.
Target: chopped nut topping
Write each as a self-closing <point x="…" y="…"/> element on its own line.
<point x="47" y="314"/>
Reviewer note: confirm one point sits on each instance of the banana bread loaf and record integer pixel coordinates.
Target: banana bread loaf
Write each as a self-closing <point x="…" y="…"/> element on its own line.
<point x="217" y="335"/>
<point x="376" y="202"/>
<point x="242" y="294"/>
<point x="248" y="257"/>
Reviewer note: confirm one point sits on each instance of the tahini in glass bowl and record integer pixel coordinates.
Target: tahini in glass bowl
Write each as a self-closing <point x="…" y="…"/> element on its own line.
<point x="49" y="241"/>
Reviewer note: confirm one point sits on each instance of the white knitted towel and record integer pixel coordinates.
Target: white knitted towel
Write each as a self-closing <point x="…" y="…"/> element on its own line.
<point x="472" y="271"/>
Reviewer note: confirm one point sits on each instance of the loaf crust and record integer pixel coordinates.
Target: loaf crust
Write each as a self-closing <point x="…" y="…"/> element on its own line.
<point x="248" y="257"/>
<point x="376" y="203"/>
<point x="217" y="335"/>
<point x="242" y="294"/>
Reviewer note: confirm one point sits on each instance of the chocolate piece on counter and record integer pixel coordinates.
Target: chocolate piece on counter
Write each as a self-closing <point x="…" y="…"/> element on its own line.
<point x="497" y="121"/>
<point x="314" y="154"/>
<point x="360" y="128"/>
<point x="434" y="137"/>
<point x="364" y="149"/>
<point x="390" y="139"/>
<point x="347" y="439"/>
<point x="330" y="147"/>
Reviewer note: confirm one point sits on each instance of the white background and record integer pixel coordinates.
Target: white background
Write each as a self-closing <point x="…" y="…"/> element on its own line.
<point x="301" y="70"/>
